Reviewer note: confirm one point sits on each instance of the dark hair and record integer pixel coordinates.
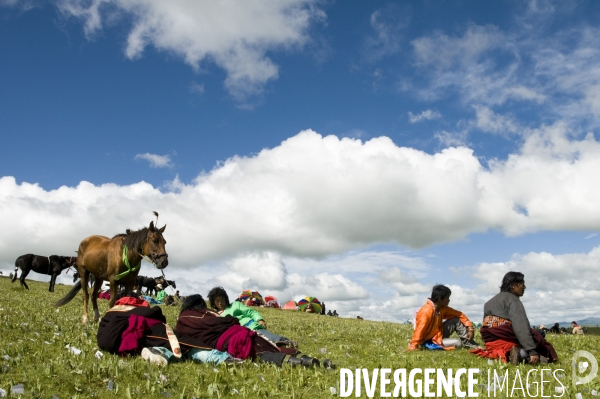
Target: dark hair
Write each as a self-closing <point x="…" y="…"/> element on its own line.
<point x="573" y="322"/>
<point x="217" y="292"/>
<point x="509" y="279"/>
<point x="193" y="302"/>
<point x="125" y="293"/>
<point x="440" y="292"/>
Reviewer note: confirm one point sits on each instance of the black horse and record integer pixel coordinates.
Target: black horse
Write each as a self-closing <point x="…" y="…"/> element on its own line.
<point x="150" y="284"/>
<point x="52" y="265"/>
<point x="91" y="278"/>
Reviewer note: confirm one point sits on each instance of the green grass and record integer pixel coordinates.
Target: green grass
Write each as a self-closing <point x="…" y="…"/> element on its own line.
<point x="34" y="335"/>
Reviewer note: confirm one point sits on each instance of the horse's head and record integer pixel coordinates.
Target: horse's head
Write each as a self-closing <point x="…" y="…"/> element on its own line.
<point x="60" y="263"/>
<point x="154" y="247"/>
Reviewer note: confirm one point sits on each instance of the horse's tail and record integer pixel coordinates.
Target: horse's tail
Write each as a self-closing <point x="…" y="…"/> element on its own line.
<point x="17" y="263"/>
<point x="67" y="298"/>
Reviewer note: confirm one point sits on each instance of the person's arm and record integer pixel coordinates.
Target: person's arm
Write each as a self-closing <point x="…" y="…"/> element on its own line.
<point x="422" y="327"/>
<point x="247" y="311"/>
<point x="521" y="326"/>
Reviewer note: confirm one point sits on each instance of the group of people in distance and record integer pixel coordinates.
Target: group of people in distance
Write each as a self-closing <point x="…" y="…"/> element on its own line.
<point x="226" y="332"/>
<point x="505" y="329"/>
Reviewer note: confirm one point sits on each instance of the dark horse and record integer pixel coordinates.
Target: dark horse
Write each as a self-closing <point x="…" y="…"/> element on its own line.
<point x="52" y="265"/>
<point x="117" y="260"/>
<point x="91" y="279"/>
<point x="150" y="284"/>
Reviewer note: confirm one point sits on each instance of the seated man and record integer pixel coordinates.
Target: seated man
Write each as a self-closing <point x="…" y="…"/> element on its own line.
<point x="432" y="332"/>
<point x="246" y="316"/>
<point x="506" y="330"/>
<point x="577" y="330"/>
<point x="555" y="329"/>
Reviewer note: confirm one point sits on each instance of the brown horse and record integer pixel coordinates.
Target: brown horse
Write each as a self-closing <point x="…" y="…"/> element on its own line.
<point x="117" y="260"/>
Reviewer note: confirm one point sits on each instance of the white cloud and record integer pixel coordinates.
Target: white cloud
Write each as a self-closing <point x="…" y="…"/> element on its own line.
<point x="529" y="64"/>
<point x="425" y="115"/>
<point x="565" y="285"/>
<point x="156" y="161"/>
<point x="590" y="236"/>
<point x="388" y="25"/>
<point x="260" y="271"/>
<point x="488" y="121"/>
<point x="315" y="196"/>
<point x="196" y="88"/>
<point x="279" y="219"/>
<point x="234" y="35"/>
<point x="452" y="139"/>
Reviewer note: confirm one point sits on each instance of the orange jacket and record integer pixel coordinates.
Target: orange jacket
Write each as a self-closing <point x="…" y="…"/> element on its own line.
<point x="429" y="324"/>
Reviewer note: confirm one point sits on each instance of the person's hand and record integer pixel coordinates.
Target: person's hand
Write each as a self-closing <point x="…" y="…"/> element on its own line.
<point x="470" y="332"/>
<point x="534" y="359"/>
<point x="262" y="323"/>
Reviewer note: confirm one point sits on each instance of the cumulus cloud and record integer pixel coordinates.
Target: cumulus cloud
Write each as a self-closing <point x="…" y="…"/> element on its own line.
<point x="425" y="115"/>
<point x="565" y="285"/>
<point x="315" y="196"/>
<point x="279" y="219"/>
<point x="156" y="161"/>
<point x="234" y="35"/>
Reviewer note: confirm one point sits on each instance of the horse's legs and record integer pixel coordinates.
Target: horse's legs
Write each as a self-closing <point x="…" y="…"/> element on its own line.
<point x="52" y="281"/>
<point x="24" y="274"/>
<point x="83" y="275"/>
<point x="97" y="284"/>
<point x="114" y="288"/>
<point x="14" y="277"/>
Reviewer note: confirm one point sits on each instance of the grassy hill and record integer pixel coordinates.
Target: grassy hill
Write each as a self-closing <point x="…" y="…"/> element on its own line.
<point x="34" y="335"/>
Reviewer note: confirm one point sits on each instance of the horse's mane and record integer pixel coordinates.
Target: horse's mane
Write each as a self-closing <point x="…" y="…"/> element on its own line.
<point x="134" y="239"/>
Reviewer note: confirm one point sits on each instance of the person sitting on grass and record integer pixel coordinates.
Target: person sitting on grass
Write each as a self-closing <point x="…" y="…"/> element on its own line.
<point x="555" y="329"/>
<point x="577" y="330"/>
<point x="224" y="332"/>
<point x="506" y="330"/>
<point x="161" y="295"/>
<point x="132" y="328"/>
<point x="432" y="332"/>
<point x="248" y="317"/>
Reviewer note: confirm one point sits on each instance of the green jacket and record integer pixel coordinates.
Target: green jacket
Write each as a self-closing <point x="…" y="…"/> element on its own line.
<point x="247" y="316"/>
<point x="161" y="296"/>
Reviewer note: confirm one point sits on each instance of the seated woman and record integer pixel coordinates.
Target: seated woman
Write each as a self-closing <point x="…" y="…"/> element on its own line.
<point x="506" y="330"/>
<point x="225" y="333"/>
<point x="247" y="316"/>
<point x="132" y="327"/>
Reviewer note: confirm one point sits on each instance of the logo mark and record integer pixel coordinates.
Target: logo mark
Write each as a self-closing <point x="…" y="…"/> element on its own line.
<point x="582" y="366"/>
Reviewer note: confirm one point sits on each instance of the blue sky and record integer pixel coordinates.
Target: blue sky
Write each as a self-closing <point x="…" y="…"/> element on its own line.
<point x="361" y="151"/>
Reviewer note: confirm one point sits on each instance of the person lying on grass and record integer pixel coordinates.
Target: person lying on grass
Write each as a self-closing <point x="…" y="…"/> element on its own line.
<point x="132" y="327"/>
<point x="432" y="332"/>
<point x="225" y="333"/>
<point x="506" y="330"/>
<point x="248" y="317"/>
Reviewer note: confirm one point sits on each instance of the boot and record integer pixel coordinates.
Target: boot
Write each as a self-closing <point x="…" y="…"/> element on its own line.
<point x="308" y="361"/>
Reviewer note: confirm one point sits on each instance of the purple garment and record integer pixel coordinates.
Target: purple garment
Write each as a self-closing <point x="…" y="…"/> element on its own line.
<point x="131" y="337"/>
<point x="238" y="341"/>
